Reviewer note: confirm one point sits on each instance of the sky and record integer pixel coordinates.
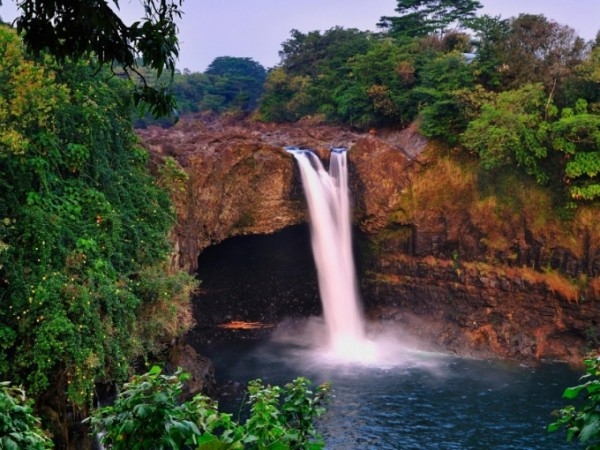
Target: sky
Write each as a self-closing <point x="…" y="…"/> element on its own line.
<point x="256" y="28"/>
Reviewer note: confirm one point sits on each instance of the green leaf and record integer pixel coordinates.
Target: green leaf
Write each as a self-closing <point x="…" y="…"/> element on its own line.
<point x="573" y="392"/>
<point x="555" y="426"/>
<point x="155" y="370"/>
<point x="590" y="430"/>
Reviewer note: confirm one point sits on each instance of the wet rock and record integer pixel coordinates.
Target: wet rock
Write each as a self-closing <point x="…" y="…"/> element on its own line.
<point x="200" y="368"/>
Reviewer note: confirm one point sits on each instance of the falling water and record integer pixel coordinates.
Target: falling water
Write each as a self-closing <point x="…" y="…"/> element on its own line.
<point x="327" y="196"/>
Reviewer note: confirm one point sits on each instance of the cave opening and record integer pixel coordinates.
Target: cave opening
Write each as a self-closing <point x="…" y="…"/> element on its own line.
<point x="256" y="279"/>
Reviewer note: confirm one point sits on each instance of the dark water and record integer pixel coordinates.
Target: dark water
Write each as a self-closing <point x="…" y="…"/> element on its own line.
<point x="412" y="399"/>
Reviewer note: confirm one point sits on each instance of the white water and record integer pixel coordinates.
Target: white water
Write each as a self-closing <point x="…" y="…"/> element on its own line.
<point x="328" y="200"/>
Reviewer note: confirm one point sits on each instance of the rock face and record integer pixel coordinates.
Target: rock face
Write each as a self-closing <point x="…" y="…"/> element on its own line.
<point x="241" y="181"/>
<point x="431" y="269"/>
<point x="482" y="313"/>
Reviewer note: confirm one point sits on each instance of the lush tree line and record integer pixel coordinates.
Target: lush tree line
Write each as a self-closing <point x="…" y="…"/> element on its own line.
<point x="229" y="86"/>
<point x="518" y="92"/>
<point x="85" y="281"/>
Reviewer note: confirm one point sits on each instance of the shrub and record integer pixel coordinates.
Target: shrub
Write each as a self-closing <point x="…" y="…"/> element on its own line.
<point x="583" y="421"/>
<point x="149" y="414"/>
<point x="19" y="428"/>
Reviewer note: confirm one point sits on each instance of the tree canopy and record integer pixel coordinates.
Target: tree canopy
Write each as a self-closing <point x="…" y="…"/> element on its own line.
<point x="419" y="18"/>
<point x="507" y="90"/>
<point x="73" y="29"/>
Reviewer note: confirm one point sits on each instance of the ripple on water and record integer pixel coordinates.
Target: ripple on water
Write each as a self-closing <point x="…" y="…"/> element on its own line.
<point x="410" y="399"/>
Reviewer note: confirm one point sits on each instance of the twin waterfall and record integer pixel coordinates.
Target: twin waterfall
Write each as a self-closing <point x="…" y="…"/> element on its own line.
<point x="327" y="196"/>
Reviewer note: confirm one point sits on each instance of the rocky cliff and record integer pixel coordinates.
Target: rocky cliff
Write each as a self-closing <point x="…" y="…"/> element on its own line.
<point x="446" y="258"/>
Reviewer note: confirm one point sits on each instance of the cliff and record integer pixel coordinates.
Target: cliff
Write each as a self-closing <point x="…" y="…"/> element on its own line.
<point x="471" y="267"/>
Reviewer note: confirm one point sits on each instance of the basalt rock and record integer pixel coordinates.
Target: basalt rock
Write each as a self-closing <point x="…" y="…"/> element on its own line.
<point x="426" y="269"/>
<point x="480" y="311"/>
<point x="242" y="181"/>
<point x="200" y="369"/>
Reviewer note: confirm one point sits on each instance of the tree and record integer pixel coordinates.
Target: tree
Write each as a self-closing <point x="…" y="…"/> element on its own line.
<point x="73" y="29"/>
<point x="535" y="50"/>
<point x="313" y="66"/>
<point x="238" y="81"/>
<point x="83" y="234"/>
<point x="376" y="91"/>
<point x="310" y="53"/>
<point x="422" y="17"/>
<point x="490" y="35"/>
<point x="443" y="80"/>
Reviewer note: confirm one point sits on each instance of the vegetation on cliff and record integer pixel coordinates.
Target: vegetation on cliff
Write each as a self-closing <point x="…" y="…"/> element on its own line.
<point x="519" y="92"/>
<point x="84" y="273"/>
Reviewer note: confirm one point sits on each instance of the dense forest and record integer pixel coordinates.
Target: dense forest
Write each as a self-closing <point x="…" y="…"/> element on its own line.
<point x="88" y="293"/>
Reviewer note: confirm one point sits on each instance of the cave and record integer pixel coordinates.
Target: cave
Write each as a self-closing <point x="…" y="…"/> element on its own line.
<point x="260" y="279"/>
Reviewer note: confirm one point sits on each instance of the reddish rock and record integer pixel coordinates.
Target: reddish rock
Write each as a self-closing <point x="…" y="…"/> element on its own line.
<point x="242" y="182"/>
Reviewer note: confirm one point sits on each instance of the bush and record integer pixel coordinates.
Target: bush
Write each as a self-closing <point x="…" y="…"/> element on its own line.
<point x="19" y="428"/>
<point x="583" y="421"/>
<point x="149" y="414"/>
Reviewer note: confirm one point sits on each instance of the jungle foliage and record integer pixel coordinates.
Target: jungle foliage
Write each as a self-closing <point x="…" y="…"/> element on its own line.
<point x="93" y="30"/>
<point x="83" y="233"/>
<point x="581" y="419"/>
<point x="230" y="85"/>
<point x="150" y="414"/>
<point x="519" y="92"/>
<point x="19" y="426"/>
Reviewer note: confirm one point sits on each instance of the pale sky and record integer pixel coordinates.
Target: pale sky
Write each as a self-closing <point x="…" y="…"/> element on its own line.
<point x="256" y="28"/>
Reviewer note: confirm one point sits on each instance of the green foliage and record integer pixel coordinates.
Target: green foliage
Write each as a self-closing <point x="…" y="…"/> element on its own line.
<point x="528" y="49"/>
<point x="314" y="76"/>
<point x="150" y="414"/>
<point x="513" y="130"/>
<point x="83" y="226"/>
<point x="229" y="84"/>
<point x="237" y="83"/>
<point x="577" y="134"/>
<point x="378" y="86"/>
<point x="19" y="427"/>
<point x="582" y="422"/>
<point x="423" y="17"/>
<point x="147" y="414"/>
<point x="92" y="29"/>
<point x="442" y="80"/>
<point x="346" y="76"/>
<point x="490" y="33"/>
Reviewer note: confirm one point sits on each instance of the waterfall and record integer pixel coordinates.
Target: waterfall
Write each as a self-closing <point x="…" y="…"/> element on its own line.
<point x="327" y="196"/>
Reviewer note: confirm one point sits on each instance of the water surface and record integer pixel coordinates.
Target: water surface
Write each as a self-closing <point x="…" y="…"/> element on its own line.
<point x="411" y="399"/>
